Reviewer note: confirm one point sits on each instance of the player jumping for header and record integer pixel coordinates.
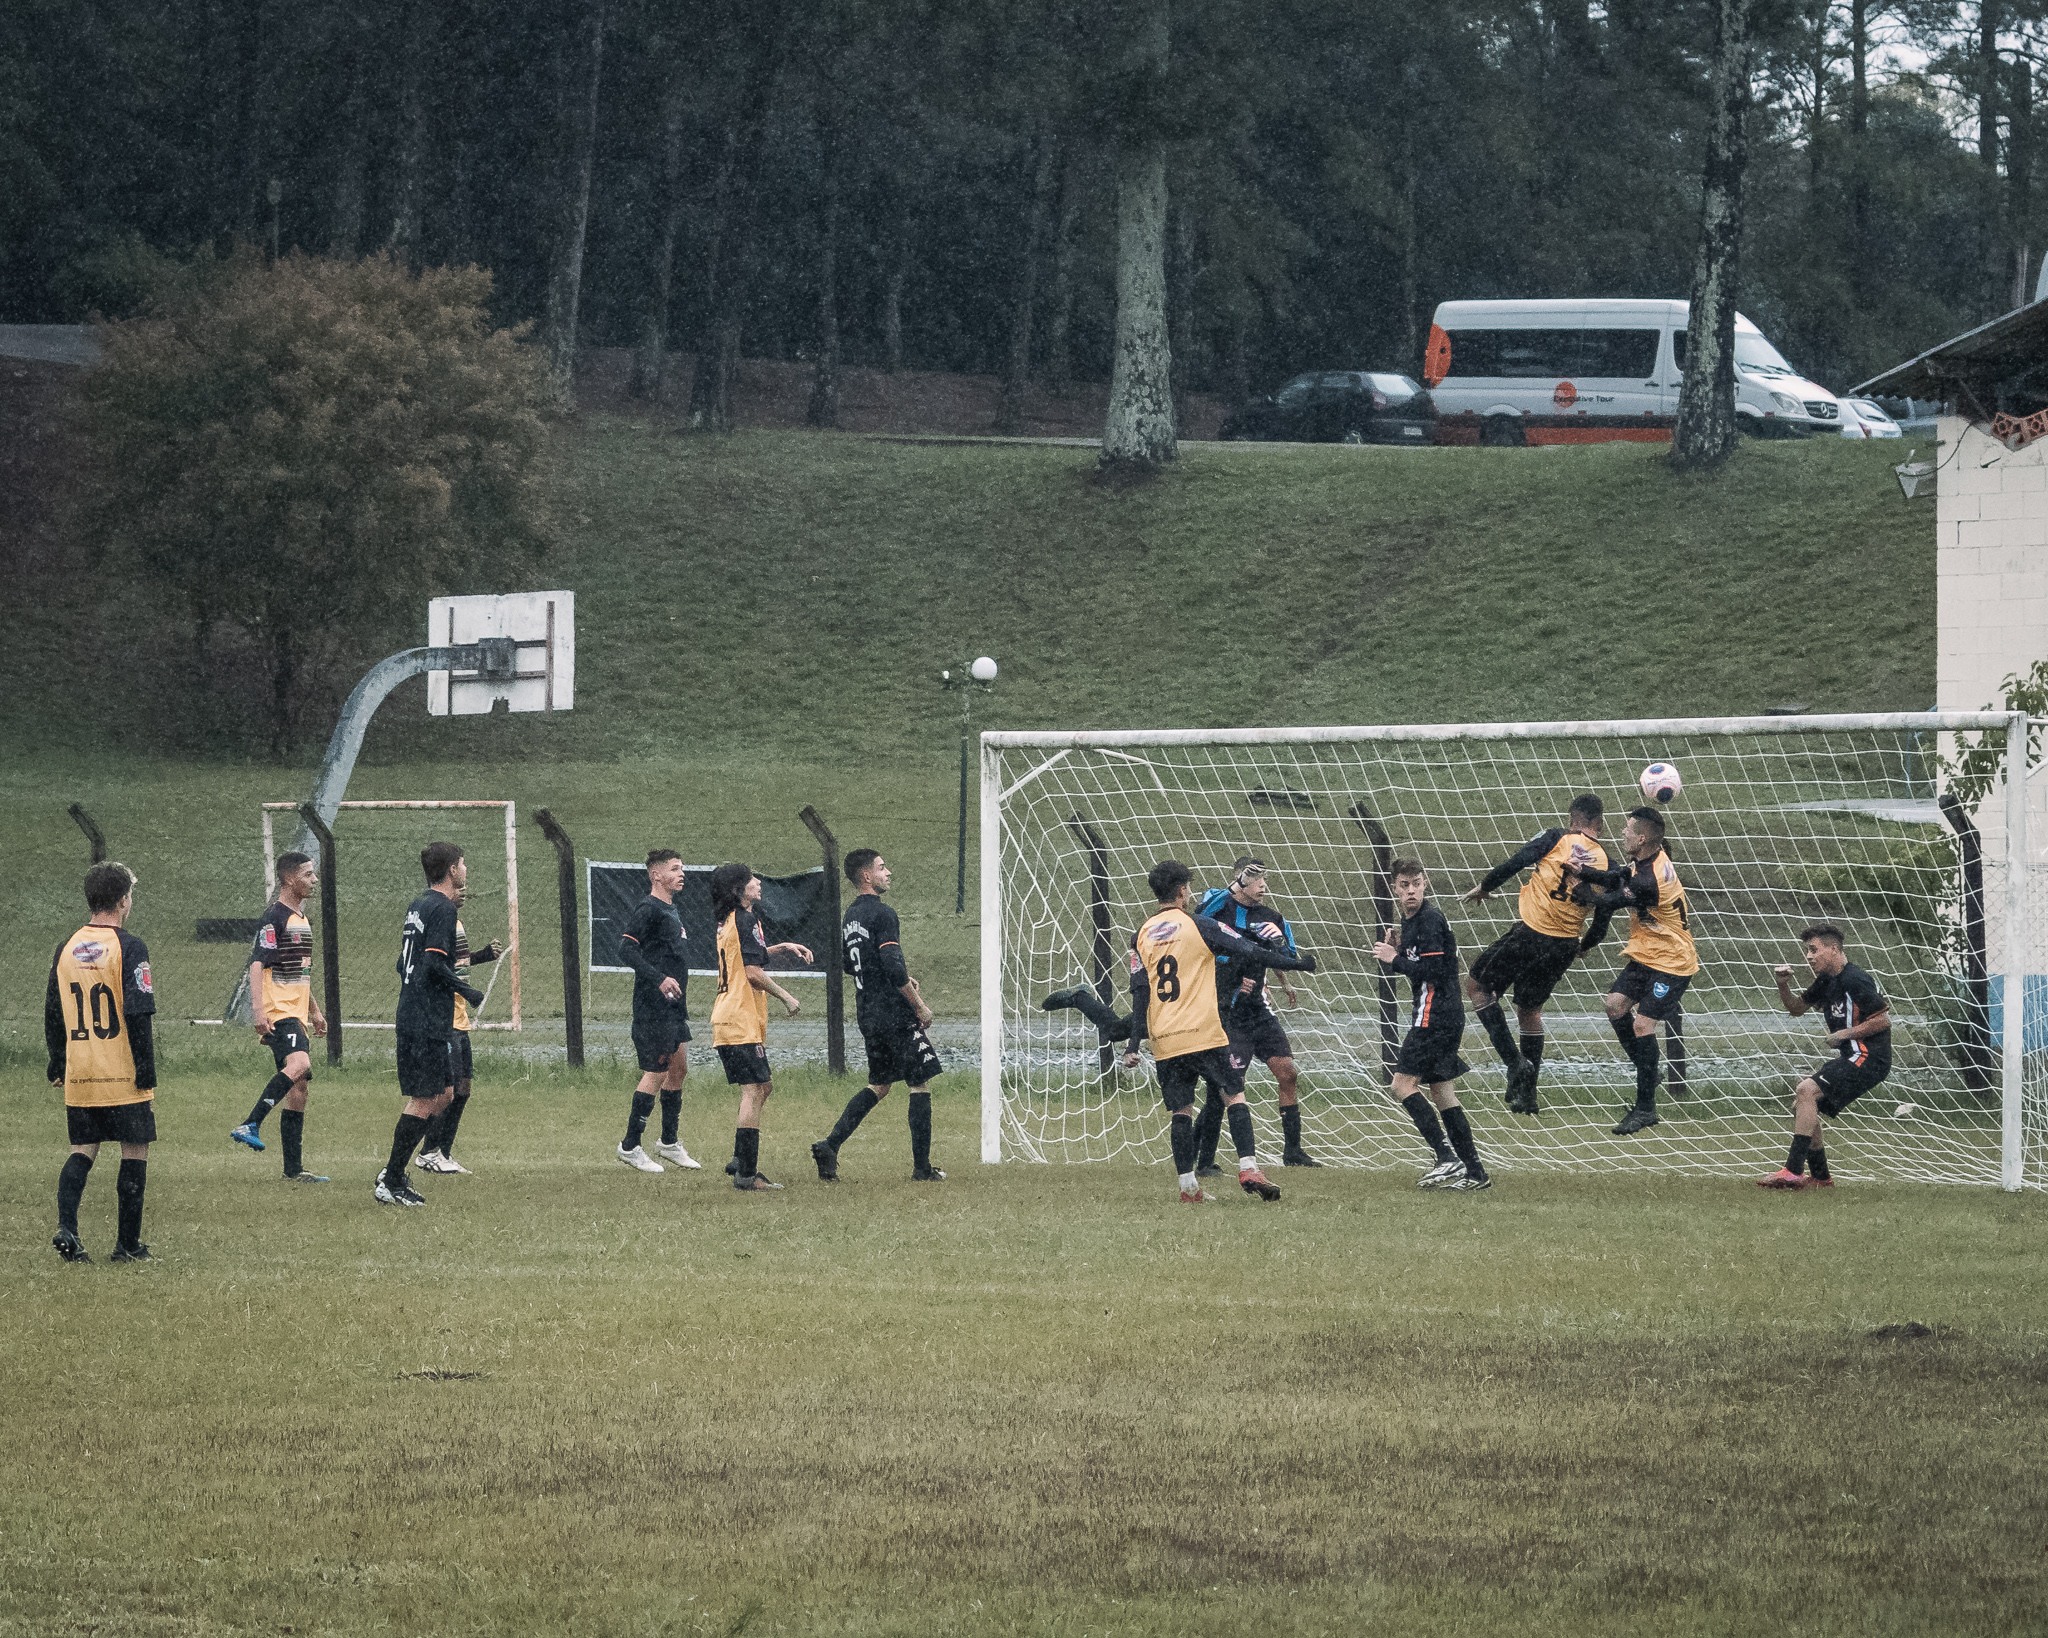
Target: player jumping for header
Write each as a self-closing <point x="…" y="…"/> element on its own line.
<point x="1173" y="999"/>
<point x="1531" y="957"/>
<point x="1859" y="1027"/>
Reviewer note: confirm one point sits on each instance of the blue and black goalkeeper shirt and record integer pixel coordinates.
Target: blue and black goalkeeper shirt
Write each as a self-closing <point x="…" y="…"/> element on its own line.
<point x="1259" y="923"/>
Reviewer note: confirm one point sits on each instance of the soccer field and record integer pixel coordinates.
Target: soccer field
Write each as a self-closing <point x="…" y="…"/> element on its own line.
<point x="569" y="1398"/>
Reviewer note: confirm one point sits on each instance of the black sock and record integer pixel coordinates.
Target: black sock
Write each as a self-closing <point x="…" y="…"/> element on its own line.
<point x="671" y="1114"/>
<point x="1532" y="1053"/>
<point x="1182" y="1136"/>
<point x="273" y="1094"/>
<point x="1091" y="1007"/>
<point x="1817" y="1161"/>
<point x="70" y="1188"/>
<point x="404" y="1138"/>
<point x="1624" y="1029"/>
<point x="1423" y="1113"/>
<point x="1241" y="1130"/>
<point x="636" y="1122"/>
<point x="1208" y="1131"/>
<point x="1646" y="1071"/>
<point x="451" y="1117"/>
<point x="1460" y="1130"/>
<point x="1802" y="1151"/>
<point x="858" y="1108"/>
<point x="129" y="1183"/>
<point x="291" y="1132"/>
<point x="746" y="1150"/>
<point x="921" y="1130"/>
<point x="1496" y="1025"/>
<point x="1290" y="1127"/>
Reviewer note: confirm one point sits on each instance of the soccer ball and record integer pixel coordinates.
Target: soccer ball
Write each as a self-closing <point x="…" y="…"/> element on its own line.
<point x="1660" y="782"/>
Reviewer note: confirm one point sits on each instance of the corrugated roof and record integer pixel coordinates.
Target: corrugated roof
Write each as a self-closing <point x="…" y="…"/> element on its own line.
<point x="1971" y="365"/>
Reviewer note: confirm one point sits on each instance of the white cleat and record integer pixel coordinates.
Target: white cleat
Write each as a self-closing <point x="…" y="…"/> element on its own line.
<point x="676" y="1155"/>
<point x="452" y="1166"/>
<point x="637" y="1158"/>
<point x="432" y="1160"/>
<point x="1440" y="1175"/>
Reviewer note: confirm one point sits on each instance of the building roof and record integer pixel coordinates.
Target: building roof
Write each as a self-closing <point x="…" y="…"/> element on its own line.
<point x="2002" y="365"/>
<point x="49" y="343"/>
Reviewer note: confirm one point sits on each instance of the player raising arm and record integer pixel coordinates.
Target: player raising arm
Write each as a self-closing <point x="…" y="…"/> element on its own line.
<point x="281" y="997"/>
<point x="1859" y="1028"/>
<point x="1662" y="959"/>
<point x="1531" y="957"/>
<point x="739" y="1017"/>
<point x="1425" y="951"/>
<point x="1173" y="999"/>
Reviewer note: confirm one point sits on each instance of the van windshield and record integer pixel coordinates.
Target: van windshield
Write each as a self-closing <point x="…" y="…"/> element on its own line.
<point x="1752" y="352"/>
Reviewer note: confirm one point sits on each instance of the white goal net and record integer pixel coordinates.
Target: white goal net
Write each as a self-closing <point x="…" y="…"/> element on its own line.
<point x="1783" y="822"/>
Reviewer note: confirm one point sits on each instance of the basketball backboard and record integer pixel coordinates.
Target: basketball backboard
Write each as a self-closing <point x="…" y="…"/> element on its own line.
<point x="542" y="676"/>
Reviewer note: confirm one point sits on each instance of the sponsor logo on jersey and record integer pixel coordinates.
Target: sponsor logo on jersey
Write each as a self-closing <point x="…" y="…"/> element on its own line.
<point x="1161" y="931"/>
<point x="142" y="979"/>
<point x="1660" y="990"/>
<point x="88" y="952"/>
<point x="1137" y="962"/>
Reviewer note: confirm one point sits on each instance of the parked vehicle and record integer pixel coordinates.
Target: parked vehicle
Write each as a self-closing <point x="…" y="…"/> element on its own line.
<point x="1339" y="407"/>
<point x="1865" y="418"/>
<point x="1577" y="372"/>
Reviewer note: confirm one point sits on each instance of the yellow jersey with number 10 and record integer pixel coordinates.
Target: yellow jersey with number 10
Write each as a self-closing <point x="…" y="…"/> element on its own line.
<point x="1181" y="1017"/>
<point x="99" y="1064"/>
<point x="1546" y="905"/>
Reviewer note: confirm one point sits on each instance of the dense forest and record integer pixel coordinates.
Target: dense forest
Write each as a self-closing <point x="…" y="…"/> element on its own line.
<point x="904" y="183"/>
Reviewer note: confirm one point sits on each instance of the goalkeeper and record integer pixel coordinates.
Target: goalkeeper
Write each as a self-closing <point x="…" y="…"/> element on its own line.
<point x="1532" y="956"/>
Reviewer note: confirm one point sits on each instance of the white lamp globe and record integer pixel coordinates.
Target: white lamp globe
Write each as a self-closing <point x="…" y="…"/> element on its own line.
<point x="984" y="669"/>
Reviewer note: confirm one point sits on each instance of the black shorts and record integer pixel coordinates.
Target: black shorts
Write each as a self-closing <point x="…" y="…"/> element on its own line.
<point x="903" y="1053"/>
<point x="426" y="1066"/>
<point x="287" y="1036"/>
<point x="745" y="1065"/>
<point x="1842" y="1083"/>
<point x="1655" y="994"/>
<point x="1222" y="1068"/>
<point x="655" y="1039"/>
<point x="1257" y="1035"/>
<point x="1526" y="962"/>
<point x="112" y="1122"/>
<point x="458" y="1055"/>
<point x="1431" y="1055"/>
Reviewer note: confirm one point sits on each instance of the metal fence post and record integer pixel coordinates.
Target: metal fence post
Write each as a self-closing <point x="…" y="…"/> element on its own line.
<point x="835" y="991"/>
<point x="330" y="934"/>
<point x="572" y="963"/>
<point x="93" y="837"/>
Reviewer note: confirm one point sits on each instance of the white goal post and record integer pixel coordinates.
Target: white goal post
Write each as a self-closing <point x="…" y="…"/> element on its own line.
<point x="1784" y="821"/>
<point x="510" y="960"/>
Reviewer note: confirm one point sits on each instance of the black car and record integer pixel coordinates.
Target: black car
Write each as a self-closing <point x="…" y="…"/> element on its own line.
<point x="1339" y="407"/>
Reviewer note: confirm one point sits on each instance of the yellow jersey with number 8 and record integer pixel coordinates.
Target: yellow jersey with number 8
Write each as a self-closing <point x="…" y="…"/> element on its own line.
<point x="1181" y="1016"/>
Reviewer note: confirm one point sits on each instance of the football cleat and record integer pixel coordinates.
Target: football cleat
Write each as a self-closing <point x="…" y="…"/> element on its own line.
<point x="1255" y="1182"/>
<point x="1444" y="1171"/>
<point x="306" y="1177"/>
<point x="1521" y="1095"/>
<point x="1057" y="1000"/>
<point x="926" y="1174"/>
<point x="827" y="1158"/>
<point x="748" y="1185"/>
<point x="69" y="1249"/>
<point x="675" y="1154"/>
<point x="638" y="1158"/>
<point x="1465" y="1180"/>
<point x="408" y="1195"/>
<point x="1820" y="1182"/>
<point x="131" y="1254"/>
<point x="732" y="1168"/>
<point x="397" y="1194"/>
<point x="432" y="1160"/>
<point x="1635" y="1121"/>
<point x="1198" y="1197"/>
<point x="452" y="1167"/>
<point x="1298" y="1157"/>
<point x="1208" y="1168"/>
<point x="1783" y="1178"/>
<point x="247" y="1133"/>
<point x="383" y="1192"/>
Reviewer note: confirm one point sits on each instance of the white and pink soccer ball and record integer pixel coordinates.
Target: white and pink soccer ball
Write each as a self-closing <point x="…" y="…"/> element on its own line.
<point x="1659" y="782"/>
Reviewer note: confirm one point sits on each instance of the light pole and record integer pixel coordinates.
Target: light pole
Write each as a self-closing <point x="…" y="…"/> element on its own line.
<point x="981" y="677"/>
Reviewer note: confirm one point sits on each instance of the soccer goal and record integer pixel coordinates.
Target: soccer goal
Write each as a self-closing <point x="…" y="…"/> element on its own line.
<point x="377" y="848"/>
<point x="1784" y="821"/>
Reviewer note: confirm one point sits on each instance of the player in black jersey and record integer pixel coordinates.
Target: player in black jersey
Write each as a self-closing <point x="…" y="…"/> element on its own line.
<point x="437" y="1148"/>
<point x="653" y="946"/>
<point x="1425" y="951"/>
<point x="428" y="986"/>
<point x="1859" y="1023"/>
<point x="281" y="999"/>
<point x="892" y="1017"/>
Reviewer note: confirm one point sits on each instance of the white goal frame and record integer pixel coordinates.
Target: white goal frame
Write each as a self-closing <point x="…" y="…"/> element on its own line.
<point x="1059" y="745"/>
<point x="511" y="956"/>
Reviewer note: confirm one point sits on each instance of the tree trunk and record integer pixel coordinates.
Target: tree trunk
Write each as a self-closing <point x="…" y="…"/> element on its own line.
<point x="1706" y="432"/>
<point x="1411" y="251"/>
<point x="1859" y="126"/>
<point x="892" y="294"/>
<point x="1138" y="434"/>
<point x="352" y="171"/>
<point x="1010" y="416"/>
<point x="411" y="159"/>
<point x="283" y="677"/>
<point x="1987" y="152"/>
<point x="650" y="359"/>
<point x="581" y="74"/>
<point x="1180" y="302"/>
<point x="1059" y="353"/>
<point x="2019" y="174"/>
<point x="823" y="410"/>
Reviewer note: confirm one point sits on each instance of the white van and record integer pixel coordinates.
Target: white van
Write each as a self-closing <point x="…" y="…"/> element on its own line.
<point x="1581" y="372"/>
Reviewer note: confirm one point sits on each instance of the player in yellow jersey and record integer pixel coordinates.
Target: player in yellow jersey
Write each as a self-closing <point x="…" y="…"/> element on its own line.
<point x="96" y="1022"/>
<point x="1531" y="957"/>
<point x="739" y="1017"/>
<point x="1173" y="1000"/>
<point x="281" y="997"/>
<point x="1661" y="956"/>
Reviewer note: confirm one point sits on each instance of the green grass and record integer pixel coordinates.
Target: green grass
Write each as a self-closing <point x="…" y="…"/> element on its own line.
<point x="1032" y="1400"/>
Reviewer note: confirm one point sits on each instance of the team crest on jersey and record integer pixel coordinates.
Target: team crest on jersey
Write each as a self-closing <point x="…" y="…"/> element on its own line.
<point x="1137" y="962"/>
<point x="268" y="937"/>
<point x="142" y="979"/>
<point x="88" y="952"/>
<point x="1660" y="990"/>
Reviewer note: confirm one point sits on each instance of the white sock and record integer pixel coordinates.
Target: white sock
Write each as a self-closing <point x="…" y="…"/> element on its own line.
<point x="1247" y="1163"/>
<point x="1189" y="1183"/>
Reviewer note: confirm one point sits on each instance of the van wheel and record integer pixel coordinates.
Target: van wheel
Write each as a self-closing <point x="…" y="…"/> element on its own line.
<point x="1500" y="432"/>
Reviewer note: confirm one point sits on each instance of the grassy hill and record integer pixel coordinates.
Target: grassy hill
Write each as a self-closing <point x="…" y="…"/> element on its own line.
<point x="762" y="620"/>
